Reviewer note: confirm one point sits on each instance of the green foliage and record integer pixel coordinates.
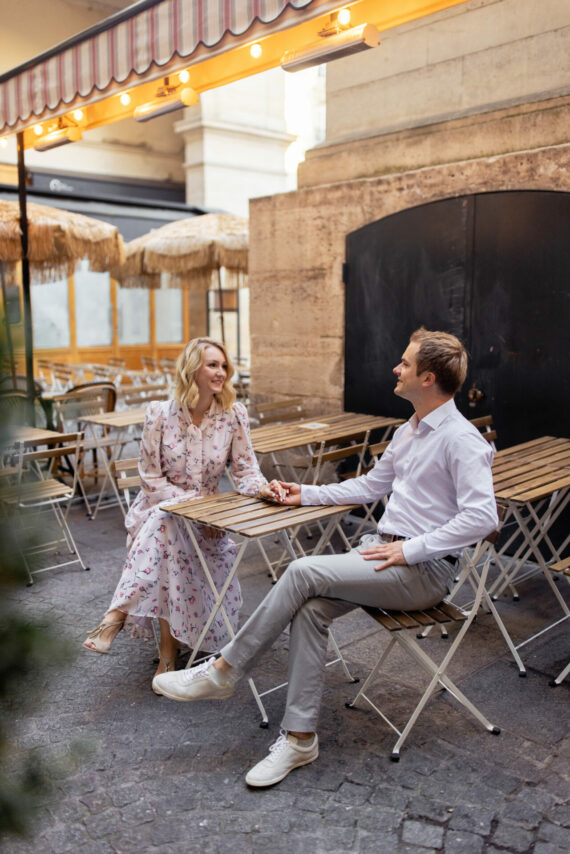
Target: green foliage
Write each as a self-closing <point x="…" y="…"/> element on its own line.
<point x="27" y="649"/>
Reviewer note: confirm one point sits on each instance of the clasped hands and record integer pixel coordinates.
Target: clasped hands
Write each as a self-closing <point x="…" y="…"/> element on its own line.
<point x="280" y="492"/>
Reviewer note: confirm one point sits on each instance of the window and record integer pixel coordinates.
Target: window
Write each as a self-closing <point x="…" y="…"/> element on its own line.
<point x="168" y="314"/>
<point x="93" y="307"/>
<point x="133" y="306"/>
<point x="50" y="315"/>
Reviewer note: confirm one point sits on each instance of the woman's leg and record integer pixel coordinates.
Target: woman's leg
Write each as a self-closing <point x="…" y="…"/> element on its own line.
<point x="167" y="648"/>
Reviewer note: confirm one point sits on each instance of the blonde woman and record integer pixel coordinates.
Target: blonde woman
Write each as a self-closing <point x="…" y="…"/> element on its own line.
<point x="186" y="443"/>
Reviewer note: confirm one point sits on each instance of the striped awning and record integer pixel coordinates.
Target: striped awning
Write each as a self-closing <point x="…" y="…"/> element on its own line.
<point x="142" y="43"/>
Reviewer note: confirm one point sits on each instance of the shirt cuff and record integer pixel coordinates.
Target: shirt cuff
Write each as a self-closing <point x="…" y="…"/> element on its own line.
<point x="413" y="550"/>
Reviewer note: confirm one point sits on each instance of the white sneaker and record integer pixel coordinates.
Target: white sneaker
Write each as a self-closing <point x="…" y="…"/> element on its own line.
<point x="286" y="753"/>
<point x="203" y="682"/>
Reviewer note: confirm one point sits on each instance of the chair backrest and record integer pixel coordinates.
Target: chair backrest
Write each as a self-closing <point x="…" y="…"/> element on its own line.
<point x="13" y="408"/>
<point x="149" y="363"/>
<point x="140" y="395"/>
<point x="115" y="362"/>
<point x="127" y="475"/>
<point x="280" y="410"/>
<point x="484" y="424"/>
<point x="54" y="447"/>
<point x="86" y="399"/>
<point x="355" y="447"/>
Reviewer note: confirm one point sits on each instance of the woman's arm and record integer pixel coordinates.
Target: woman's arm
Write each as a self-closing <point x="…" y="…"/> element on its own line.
<point x="243" y="462"/>
<point x="154" y="482"/>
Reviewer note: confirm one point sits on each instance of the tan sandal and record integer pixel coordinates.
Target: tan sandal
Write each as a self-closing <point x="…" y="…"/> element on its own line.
<point x="95" y="642"/>
<point x="168" y="664"/>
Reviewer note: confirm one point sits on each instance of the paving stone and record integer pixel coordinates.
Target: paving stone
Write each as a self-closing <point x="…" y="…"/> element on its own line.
<point x="522" y="814"/>
<point x="560" y="814"/>
<point x="350" y="793"/>
<point x="424" y="808"/>
<point x="463" y="842"/>
<point x="512" y="836"/>
<point x="548" y="832"/>
<point x="422" y="834"/>
<point x="159" y="777"/>
<point x="472" y="819"/>
<point x="549" y="848"/>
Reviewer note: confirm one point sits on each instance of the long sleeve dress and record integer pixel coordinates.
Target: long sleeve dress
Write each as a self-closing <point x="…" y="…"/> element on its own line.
<point x="162" y="576"/>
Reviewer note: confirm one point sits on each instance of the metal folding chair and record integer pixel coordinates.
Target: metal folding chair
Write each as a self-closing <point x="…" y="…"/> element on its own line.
<point x="403" y="627"/>
<point x="36" y="489"/>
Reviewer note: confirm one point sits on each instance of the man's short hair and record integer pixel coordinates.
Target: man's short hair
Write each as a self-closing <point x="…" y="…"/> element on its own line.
<point x="442" y="354"/>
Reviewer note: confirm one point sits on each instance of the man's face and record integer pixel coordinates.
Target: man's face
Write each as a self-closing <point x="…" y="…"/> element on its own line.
<point x="409" y="385"/>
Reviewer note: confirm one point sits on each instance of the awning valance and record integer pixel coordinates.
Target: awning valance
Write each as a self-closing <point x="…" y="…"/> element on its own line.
<point x="141" y="43"/>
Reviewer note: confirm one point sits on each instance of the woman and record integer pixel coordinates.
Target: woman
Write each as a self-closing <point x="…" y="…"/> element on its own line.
<point x="186" y="443"/>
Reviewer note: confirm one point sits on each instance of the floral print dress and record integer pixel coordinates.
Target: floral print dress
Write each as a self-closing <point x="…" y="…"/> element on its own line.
<point x="162" y="576"/>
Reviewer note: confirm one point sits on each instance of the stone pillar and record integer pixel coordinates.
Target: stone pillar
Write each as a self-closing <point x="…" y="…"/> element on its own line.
<point x="235" y="142"/>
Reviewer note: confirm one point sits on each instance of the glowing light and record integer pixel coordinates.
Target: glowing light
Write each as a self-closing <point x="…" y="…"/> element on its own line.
<point x="3" y="142"/>
<point x="344" y="17"/>
<point x="38" y="130"/>
<point x="78" y="115"/>
<point x="184" y="76"/>
<point x="255" y="51"/>
<point x="125" y="99"/>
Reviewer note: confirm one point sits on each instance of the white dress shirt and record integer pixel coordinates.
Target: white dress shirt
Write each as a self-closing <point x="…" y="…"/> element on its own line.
<point x="438" y="471"/>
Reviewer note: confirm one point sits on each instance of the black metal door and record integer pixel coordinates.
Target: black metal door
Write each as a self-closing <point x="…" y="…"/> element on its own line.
<point x="493" y="269"/>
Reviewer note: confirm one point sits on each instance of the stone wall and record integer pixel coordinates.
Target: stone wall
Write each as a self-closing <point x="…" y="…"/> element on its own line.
<point x="298" y="248"/>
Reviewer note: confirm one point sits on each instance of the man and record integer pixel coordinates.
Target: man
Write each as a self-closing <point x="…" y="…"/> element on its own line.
<point x="438" y="471"/>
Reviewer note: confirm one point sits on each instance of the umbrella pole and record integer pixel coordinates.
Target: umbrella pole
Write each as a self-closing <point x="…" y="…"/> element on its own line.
<point x="28" y="334"/>
<point x="221" y="293"/>
<point x="7" y="325"/>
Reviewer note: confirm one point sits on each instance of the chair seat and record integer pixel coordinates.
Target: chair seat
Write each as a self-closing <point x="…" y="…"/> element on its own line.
<point x="45" y="490"/>
<point x="393" y="621"/>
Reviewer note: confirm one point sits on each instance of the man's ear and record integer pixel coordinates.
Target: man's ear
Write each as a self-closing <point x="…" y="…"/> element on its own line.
<point x="429" y="379"/>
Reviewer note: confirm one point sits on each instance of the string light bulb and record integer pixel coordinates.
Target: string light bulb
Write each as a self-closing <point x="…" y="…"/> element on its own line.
<point x="184" y="76"/>
<point x="344" y="17"/>
<point x="38" y="130"/>
<point x="125" y="99"/>
<point x="255" y="51"/>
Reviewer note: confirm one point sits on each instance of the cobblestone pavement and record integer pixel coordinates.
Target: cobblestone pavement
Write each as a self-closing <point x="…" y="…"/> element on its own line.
<point x="160" y="776"/>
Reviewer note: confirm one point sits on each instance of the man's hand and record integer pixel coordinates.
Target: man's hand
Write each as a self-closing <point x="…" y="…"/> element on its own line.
<point x="391" y="554"/>
<point x="290" y="493"/>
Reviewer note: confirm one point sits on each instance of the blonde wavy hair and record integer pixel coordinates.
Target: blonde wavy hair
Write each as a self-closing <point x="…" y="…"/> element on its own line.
<point x="189" y="362"/>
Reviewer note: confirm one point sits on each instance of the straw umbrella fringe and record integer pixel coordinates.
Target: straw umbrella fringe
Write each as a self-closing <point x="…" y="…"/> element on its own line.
<point x="57" y="239"/>
<point x="190" y="251"/>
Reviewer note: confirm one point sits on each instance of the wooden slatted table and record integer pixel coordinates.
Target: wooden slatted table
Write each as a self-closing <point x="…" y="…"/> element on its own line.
<point x="273" y="439"/>
<point x="533" y="481"/>
<point x="248" y="519"/>
<point x="33" y="435"/>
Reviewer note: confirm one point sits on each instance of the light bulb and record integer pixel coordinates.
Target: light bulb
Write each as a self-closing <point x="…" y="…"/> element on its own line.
<point x="255" y="51"/>
<point x="184" y="76"/>
<point x="125" y="99"/>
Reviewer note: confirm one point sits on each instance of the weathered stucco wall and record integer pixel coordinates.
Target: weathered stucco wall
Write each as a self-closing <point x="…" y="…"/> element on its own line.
<point x="298" y="247"/>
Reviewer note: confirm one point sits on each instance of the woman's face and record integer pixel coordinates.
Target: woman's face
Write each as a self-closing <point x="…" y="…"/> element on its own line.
<point x="212" y="373"/>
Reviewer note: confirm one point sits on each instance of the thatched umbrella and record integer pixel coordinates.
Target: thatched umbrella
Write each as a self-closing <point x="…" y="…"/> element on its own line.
<point x="50" y="244"/>
<point x="57" y="239"/>
<point x="192" y="251"/>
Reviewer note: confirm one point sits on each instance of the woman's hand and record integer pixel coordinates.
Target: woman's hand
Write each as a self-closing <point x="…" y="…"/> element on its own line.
<point x="272" y="492"/>
<point x="280" y="492"/>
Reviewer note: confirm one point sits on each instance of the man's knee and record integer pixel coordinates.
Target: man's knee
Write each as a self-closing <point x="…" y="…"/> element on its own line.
<point x="314" y="613"/>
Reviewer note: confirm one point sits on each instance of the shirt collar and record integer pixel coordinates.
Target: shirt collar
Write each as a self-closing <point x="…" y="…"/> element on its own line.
<point x="434" y="418"/>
